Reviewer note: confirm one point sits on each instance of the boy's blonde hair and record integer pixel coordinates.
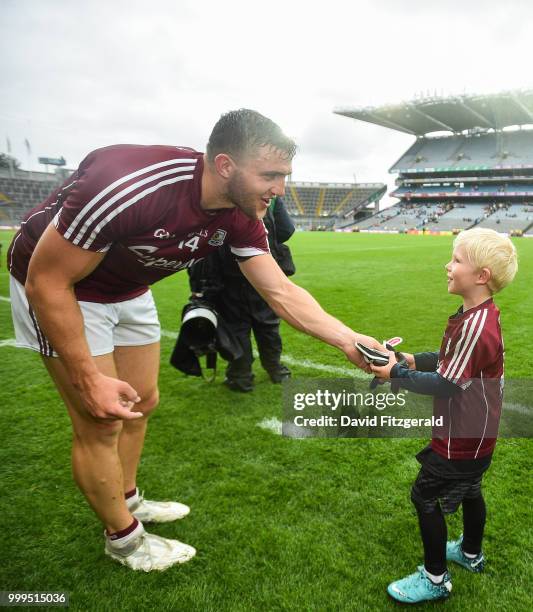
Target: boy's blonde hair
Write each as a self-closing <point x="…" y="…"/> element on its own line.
<point x="485" y="248"/>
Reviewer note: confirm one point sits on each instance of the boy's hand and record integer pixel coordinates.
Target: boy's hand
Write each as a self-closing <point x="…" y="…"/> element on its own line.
<point x="410" y="359"/>
<point x="383" y="372"/>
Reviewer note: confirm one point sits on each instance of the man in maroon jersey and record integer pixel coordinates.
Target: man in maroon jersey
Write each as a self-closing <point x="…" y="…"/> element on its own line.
<point x="81" y="266"/>
<point x="465" y="377"/>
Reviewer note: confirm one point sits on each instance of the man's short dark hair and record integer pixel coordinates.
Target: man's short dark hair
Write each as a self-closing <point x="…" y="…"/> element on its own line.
<point x="239" y="132"/>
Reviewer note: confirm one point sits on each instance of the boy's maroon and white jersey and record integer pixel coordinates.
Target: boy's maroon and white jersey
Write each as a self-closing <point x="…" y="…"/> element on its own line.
<point x="141" y="206"/>
<point x="471" y="356"/>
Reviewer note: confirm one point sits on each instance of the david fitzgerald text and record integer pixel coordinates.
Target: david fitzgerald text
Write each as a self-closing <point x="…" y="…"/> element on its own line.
<point x="383" y="420"/>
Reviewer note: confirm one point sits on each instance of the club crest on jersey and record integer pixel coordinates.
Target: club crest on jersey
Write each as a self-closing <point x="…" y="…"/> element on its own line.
<point x="217" y="239"/>
<point x="161" y="233"/>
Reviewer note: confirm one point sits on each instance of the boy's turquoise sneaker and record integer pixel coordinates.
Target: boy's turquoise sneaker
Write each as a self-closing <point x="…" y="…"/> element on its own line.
<point x="418" y="587"/>
<point x="454" y="552"/>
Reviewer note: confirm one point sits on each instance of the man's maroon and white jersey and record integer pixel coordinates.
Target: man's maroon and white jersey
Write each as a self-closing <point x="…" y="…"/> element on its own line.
<point x="141" y="206"/>
<point x="471" y="356"/>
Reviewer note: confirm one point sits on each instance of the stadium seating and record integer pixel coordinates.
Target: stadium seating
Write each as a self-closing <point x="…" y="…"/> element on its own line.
<point x="467" y="191"/>
<point x="480" y="151"/>
<point x="512" y="217"/>
<point x="378" y="220"/>
<point x="313" y="205"/>
<point x="404" y="217"/>
<point x="461" y="216"/>
<point x="325" y="205"/>
<point x="443" y="217"/>
<point x="22" y="192"/>
<point x="479" y="173"/>
<point x="483" y="179"/>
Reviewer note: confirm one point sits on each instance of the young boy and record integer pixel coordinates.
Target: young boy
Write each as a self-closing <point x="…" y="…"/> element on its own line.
<point x="465" y="378"/>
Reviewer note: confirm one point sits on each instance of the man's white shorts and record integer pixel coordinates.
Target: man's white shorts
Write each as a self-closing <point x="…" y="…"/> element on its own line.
<point x="130" y="323"/>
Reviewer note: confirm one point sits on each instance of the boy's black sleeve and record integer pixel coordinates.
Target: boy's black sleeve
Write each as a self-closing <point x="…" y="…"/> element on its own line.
<point x="426" y="362"/>
<point x="426" y="383"/>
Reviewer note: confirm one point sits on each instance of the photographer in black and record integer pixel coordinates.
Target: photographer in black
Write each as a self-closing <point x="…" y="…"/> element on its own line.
<point x="219" y="280"/>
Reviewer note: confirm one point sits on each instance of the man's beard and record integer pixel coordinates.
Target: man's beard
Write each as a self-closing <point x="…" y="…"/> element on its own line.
<point x="243" y="199"/>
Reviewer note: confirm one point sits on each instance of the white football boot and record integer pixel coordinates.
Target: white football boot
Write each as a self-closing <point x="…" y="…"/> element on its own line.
<point x="148" y="511"/>
<point x="147" y="552"/>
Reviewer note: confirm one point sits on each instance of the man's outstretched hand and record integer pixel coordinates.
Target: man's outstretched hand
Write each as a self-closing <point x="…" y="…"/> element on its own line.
<point x="356" y="356"/>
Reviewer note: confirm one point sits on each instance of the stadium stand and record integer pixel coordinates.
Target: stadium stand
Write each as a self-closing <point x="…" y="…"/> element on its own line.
<point x="480" y="172"/>
<point x="382" y="219"/>
<point x="479" y="151"/>
<point x="21" y="190"/>
<point x="330" y="205"/>
<point x="458" y="217"/>
<point x="312" y="205"/>
<point x="508" y="218"/>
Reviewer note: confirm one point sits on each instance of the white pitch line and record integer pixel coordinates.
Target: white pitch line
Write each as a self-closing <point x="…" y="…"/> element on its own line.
<point x="302" y="363"/>
<point x="273" y="424"/>
<point x="322" y="367"/>
<point x="3" y="298"/>
<point x="289" y="359"/>
<point x="169" y="334"/>
<point x="521" y="409"/>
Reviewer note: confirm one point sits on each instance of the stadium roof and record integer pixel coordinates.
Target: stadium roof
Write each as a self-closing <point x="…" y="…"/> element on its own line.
<point x="453" y="114"/>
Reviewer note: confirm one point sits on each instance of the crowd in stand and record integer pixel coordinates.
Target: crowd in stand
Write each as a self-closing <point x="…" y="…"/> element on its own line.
<point x="428" y="215"/>
<point x="442" y="209"/>
<point x="419" y="215"/>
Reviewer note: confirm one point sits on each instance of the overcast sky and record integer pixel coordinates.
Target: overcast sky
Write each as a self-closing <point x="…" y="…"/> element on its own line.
<point x="80" y="75"/>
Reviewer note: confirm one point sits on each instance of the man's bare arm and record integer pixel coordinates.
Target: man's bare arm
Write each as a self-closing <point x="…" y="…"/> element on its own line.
<point x="296" y="306"/>
<point x="56" y="265"/>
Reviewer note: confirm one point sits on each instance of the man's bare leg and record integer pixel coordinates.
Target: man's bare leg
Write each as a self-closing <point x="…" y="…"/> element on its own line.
<point x="138" y="366"/>
<point x="95" y="460"/>
<point x="98" y="469"/>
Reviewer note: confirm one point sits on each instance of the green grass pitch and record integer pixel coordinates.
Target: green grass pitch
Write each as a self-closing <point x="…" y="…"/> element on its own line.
<point x="279" y="524"/>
